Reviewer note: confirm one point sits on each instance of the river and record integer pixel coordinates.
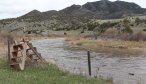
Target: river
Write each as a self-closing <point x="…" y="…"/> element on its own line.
<point x="123" y="69"/>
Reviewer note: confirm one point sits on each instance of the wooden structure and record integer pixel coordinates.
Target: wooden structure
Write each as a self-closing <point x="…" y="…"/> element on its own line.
<point x="23" y="51"/>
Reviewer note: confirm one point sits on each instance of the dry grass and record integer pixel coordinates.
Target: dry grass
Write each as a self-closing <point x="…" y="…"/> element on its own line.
<point x="3" y="42"/>
<point x="110" y="43"/>
<point x="72" y="38"/>
<point x="2" y="50"/>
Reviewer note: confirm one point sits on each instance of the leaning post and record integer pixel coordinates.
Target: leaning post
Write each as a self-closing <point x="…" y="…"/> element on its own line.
<point x="89" y="63"/>
<point x="8" y="41"/>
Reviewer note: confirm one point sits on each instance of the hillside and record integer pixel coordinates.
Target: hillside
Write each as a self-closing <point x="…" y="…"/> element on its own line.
<point x="75" y="17"/>
<point x="105" y="9"/>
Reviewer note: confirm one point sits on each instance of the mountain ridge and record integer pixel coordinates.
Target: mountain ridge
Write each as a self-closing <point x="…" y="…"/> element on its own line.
<point x="103" y="9"/>
<point x="74" y="16"/>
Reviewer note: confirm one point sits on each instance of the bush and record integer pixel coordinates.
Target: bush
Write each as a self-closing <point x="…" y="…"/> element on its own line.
<point x="108" y="24"/>
<point x="82" y="31"/>
<point x="144" y="29"/>
<point x="132" y="25"/>
<point x="29" y="32"/>
<point x="127" y="29"/>
<point x="79" y="44"/>
<point x="91" y="26"/>
<point x="140" y="36"/>
<point x="126" y="21"/>
<point x="137" y="21"/>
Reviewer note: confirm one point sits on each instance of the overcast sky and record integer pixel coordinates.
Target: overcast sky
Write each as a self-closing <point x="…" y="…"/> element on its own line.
<point x="15" y="8"/>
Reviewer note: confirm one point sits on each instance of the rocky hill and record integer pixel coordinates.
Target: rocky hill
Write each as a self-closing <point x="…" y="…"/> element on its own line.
<point x="103" y="9"/>
<point x="73" y="17"/>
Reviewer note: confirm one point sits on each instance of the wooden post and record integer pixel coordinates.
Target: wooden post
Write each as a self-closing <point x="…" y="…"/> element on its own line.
<point x="8" y="39"/>
<point x="89" y="62"/>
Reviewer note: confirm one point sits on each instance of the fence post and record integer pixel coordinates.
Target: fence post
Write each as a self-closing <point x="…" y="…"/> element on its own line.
<point x="89" y="63"/>
<point x="8" y="39"/>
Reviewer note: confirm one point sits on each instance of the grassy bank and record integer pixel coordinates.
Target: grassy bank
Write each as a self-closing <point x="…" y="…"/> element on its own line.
<point x="110" y="43"/>
<point x="49" y="74"/>
<point x="107" y="43"/>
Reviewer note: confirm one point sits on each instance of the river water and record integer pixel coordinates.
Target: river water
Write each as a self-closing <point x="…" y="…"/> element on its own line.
<point x="123" y="68"/>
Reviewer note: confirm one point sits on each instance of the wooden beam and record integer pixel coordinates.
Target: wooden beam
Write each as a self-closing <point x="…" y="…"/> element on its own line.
<point x="35" y="52"/>
<point x="8" y="39"/>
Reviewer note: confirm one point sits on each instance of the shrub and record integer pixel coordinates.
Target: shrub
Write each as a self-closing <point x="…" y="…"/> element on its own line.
<point x="144" y="29"/>
<point x="91" y="26"/>
<point x="4" y="35"/>
<point x="79" y="44"/>
<point x="127" y="29"/>
<point x="108" y="24"/>
<point x="126" y="21"/>
<point x="137" y="21"/>
<point x="132" y="25"/>
<point x="29" y="32"/>
<point x="65" y="33"/>
<point x="82" y="31"/>
<point x="140" y="36"/>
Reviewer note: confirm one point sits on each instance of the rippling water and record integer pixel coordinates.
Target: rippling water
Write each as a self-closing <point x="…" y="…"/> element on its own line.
<point x="124" y="68"/>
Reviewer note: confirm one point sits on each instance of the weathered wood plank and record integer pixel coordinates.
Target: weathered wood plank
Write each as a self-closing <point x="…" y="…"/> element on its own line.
<point x="32" y="48"/>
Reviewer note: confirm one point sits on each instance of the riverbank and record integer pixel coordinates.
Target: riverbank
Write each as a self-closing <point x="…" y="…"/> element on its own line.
<point x="49" y="74"/>
<point x="110" y="44"/>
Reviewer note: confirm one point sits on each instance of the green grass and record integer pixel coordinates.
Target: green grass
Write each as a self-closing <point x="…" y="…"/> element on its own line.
<point x="49" y="74"/>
